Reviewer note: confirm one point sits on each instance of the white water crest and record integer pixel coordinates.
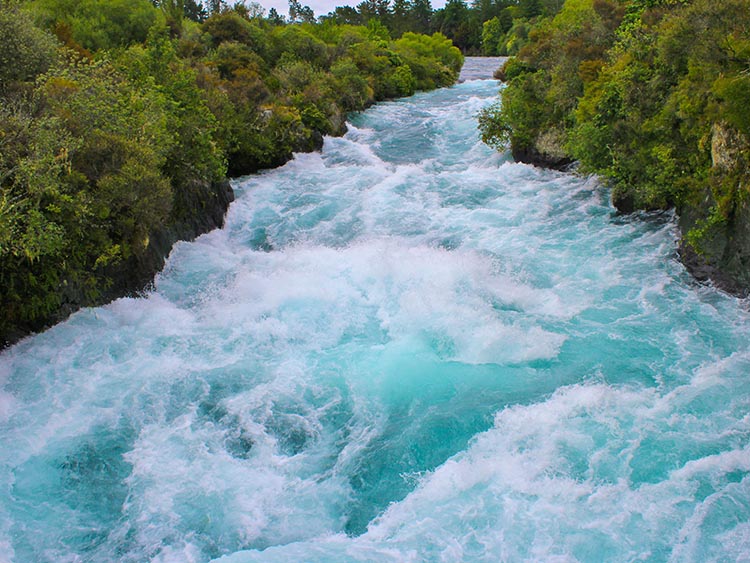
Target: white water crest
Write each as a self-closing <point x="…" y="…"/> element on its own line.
<point x="406" y="347"/>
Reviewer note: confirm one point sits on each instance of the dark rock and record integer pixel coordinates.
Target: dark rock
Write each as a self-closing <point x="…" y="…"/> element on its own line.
<point x="199" y="208"/>
<point x="701" y="269"/>
<point x="546" y="151"/>
<point x="723" y="256"/>
<point x="623" y="201"/>
<point x="530" y="155"/>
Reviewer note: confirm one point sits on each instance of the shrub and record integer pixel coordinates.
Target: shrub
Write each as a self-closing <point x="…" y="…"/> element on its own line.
<point x="99" y="24"/>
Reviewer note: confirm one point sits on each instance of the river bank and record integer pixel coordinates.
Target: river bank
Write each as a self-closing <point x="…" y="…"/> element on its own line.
<point x="118" y="143"/>
<point x="614" y="87"/>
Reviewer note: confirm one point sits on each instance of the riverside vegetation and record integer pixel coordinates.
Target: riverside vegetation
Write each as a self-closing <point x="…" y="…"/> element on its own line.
<point x="120" y="120"/>
<point x="654" y="97"/>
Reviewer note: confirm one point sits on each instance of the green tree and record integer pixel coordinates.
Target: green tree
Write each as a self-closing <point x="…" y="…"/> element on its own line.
<point x="300" y="13"/>
<point x="194" y="11"/>
<point x="274" y="17"/>
<point x="98" y="25"/>
<point x="343" y="15"/>
<point x="25" y="51"/>
<point x="230" y="26"/>
<point x="492" y="32"/>
<point x="530" y="8"/>
<point x="401" y="17"/>
<point x="421" y="16"/>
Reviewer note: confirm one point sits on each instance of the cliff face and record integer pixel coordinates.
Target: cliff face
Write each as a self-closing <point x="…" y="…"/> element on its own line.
<point x="200" y="208"/>
<point x="722" y="253"/>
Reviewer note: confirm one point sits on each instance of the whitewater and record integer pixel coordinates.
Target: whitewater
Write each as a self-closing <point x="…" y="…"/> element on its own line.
<point x="404" y="348"/>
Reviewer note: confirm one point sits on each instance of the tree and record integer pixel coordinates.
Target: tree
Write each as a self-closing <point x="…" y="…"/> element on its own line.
<point x="299" y="13"/>
<point x="455" y="23"/>
<point x="345" y="15"/>
<point x="491" y="34"/>
<point x="306" y="15"/>
<point x="530" y="8"/>
<point x="25" y="51"/>
<point x="97" y="25"/>
<point x="194" y="11"/>
<point x="174" y="11"/>
<point x="216" y="6"/>
<point x="274" y="17"/>
<point x="400" y="17"/>
<point x="374" y="9"/>
<point x="487" y="9"/>
<point x="421" y="16"/>
<point x="294" y="8"/>
<point x="249" y="11"/>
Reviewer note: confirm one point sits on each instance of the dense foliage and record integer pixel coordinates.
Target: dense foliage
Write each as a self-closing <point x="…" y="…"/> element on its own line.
<point x="653" y="95"/>
<point x="486" y="27"/>
<point x="119" y="120"/>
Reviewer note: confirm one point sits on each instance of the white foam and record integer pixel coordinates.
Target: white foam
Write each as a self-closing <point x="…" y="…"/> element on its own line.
<point x="7" y="553"/>
<point x="8" y="405"/>
<point x="735" y="543"/>
<point x="718" y="464"/>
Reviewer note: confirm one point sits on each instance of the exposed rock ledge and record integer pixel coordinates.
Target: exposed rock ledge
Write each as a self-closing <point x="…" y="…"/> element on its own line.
<point x="724" y="254"/>
<point x="546" y="151"/>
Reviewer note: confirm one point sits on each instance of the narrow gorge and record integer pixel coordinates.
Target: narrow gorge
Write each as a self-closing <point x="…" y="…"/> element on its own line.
<point x="406" y="347"/>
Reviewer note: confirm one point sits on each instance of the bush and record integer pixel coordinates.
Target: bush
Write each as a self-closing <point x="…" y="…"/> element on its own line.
<point x="25" y="51"/>
<point x="433" y="60"/>
<point x="230" y="26"/>
<point x="98" y="24"/>
<point x="296" y="42"/>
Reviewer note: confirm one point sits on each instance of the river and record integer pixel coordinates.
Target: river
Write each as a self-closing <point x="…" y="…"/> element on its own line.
<point x="406" y="347"/>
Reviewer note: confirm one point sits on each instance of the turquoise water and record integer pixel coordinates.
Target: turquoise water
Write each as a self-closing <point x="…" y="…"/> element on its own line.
<point x="406" y="348"/>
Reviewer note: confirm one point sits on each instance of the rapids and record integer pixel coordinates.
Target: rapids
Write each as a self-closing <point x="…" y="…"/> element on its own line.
<point x="404" y="348"/>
